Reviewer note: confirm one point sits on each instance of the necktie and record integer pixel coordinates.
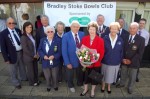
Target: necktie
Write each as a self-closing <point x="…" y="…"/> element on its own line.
<point x="77" y="41"/>
<point x="140" y="33"/>
<point x="100" y="30"/>
<point x="16" y="38"/>
<point x="130" y="39"/>
<point x="119" y="32"/>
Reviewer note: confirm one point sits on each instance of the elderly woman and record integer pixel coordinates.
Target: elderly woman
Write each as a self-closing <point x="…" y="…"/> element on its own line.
<point x="50" y="52"/>
<point x="94" y="42"/>
<point x="113" y="56"/>
<point x="29" y="53"/>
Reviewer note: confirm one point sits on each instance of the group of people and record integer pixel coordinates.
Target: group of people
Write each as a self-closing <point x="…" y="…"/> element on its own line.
<point x="118" y="49"/>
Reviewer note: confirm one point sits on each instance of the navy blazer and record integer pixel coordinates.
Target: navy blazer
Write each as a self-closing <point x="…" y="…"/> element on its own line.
<point x="69" y="49"/>
<point x="42" y="52"/>
<point x="124" y="33"/>
<point x="39" y="35"/>
<point x="106" y="31"/>
<point x="7" y="47"/>
<point x="113" y="56"/>
<point x="134" y="51"/>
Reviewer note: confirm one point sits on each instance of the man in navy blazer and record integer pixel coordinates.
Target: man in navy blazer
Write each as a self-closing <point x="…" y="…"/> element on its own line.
<point x="102" y="29"/>
<point x="123" y="33"/>
<point x="70" y="42"/>
<point x="12" y="52"/>
<point x="133" y="52"/>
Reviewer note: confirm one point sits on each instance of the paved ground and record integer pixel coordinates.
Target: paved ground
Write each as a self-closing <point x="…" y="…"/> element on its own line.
<point x="7" y="91"/>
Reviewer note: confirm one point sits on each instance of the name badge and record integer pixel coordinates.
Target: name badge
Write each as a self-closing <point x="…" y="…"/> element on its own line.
<point x="134" y="47"/>
<point x="119" y="43"/>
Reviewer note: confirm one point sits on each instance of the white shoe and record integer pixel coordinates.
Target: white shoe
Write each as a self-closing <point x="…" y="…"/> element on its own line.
<point x="72" y="90"/>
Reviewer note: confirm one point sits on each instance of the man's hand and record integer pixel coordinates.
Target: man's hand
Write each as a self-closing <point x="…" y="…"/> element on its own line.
<point x="69" y="66"/>
<point x="128" y="61"/>
<point x="124" y="61"/>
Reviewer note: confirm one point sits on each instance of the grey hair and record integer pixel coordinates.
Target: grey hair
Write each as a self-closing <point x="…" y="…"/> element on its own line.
<point x="134" y="23"/>
<point x="100" y="15"/>
<point x="49" y="27"/>
<point x="74" y="22"/>
<point x="60" y="23"/>
<point x="9" y="18"/>
<point x="44" y="16"/>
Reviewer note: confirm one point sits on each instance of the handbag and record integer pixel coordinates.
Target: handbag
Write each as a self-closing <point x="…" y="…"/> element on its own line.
<point x="96" y="76"/>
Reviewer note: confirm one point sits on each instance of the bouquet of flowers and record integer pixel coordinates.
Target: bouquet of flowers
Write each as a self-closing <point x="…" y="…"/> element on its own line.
<point x="87" y="56"/>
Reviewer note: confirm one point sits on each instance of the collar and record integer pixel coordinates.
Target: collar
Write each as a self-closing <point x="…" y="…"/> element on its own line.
<point x="60" y="35"/>
<point x="11" y="29"/>
<point x="74" y="34"/>
<point x="133" y="36"/>
<point x="114" y="39"/>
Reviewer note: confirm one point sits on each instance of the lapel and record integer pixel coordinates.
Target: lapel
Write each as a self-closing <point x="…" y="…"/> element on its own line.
<point x="30" y="41"/>
<point x="71" y="38"/>
<point x="17" y="32"/>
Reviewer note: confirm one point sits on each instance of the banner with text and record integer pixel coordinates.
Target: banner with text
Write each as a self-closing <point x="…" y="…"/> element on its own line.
<point x="83" y="12"/>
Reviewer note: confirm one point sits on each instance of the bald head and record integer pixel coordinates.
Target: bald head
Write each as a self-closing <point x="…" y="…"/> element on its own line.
<point x="10" y="23"/>
<point x="134" y="26"/>
<point x="75" y="26"/>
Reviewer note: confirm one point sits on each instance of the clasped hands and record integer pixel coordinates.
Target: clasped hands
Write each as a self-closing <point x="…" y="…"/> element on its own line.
<point x="126" y="61"/>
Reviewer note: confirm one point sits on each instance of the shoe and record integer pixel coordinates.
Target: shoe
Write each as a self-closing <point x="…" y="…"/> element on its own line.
<point x="113" y="83"/>
<point x="39" y="82"/>
<point x="109" y="92"/>
<point x="18" y="87"/>
<point x="72" y="90"/>
<point x="56" y="89"/>
<point x="129" y="91"/>
<point x="36" y="84"/>
<point x="92" y="96"/>
<point x="48" y="89"/>
<point x="119" y="86"/>
<point x="102" y="90"/>
<point x="83" y="94"/>
<point x="137" y="79"/>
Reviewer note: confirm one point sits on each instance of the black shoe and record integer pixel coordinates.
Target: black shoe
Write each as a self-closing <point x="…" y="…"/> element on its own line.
<point x="48" y="89"/>
<point x="109" y="92"/>
<point x="137" y="79"/>
<point x="92" y="96"/>
<point x="102" y="90"/>
<point x="119" y="86"/>
<point x="129" y="91"/>
<point x="56" y="89"/>
<point x="18" y="87"/>
<point x="83" y="94"/>
<point x="113" y="83"/>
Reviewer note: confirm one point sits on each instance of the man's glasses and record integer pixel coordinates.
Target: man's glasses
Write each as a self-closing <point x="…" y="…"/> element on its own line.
<point x="12" y="23"/>
<point x="50" y="32"/>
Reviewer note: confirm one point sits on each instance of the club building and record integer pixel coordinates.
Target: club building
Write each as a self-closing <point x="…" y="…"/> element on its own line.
<point x="130" y="10"/>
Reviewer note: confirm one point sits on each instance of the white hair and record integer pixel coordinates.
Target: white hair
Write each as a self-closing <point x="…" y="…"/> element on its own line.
<point x="49" y="27"/>
<point x="134" y="23"/>
<point x="114" y="23"/>
<point x="74" y="22"/>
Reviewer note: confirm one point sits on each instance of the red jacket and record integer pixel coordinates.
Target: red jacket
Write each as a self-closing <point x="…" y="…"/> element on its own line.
<point x="97" y="44"/>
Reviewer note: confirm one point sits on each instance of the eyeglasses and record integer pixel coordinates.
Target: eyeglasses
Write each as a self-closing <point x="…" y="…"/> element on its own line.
<point x="50" y="32"/>
<point x="12" y="23"/>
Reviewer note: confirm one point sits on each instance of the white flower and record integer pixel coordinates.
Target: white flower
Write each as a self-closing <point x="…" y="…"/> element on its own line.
<point x="80" y="57"/>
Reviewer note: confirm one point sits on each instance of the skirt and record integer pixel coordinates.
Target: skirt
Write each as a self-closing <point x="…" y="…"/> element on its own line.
<point x="88" y="80"/>
<point x="110" y="73"/>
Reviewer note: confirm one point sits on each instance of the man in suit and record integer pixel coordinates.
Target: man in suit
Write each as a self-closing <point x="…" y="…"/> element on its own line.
<point x="102" y="29"/>
<point x="60" y="27"/>
<point x="122" y="32"/>
<point x="70" y="42"/>
<point x="40" y="33"/>
<point x="133" y="51"/>
<point x="12" y="52"/>
<point x="145" y="34"/>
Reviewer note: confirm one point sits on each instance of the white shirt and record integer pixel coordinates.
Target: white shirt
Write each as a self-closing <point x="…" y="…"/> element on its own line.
<point x="47" y="47"/>
<point x="18" y="47"/>
<point x="101" y="27"/>
<point x="73" y="34"/>
<point x="145" y="35"/>
<point x="113" y="42"/>
<point x="120" y="31"/>
<point x="44" y="29"/>
<point x="132" y="38"/>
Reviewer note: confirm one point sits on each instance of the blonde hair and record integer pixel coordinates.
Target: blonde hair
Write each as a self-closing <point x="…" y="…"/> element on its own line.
<point x="115" y="24"/>
<point x="93" y="24"/>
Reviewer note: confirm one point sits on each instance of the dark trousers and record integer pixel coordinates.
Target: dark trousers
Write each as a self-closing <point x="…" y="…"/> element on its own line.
<point x="61" y="73"/>
<point x="70" y="76"/>
<point x="32" y="71"/>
